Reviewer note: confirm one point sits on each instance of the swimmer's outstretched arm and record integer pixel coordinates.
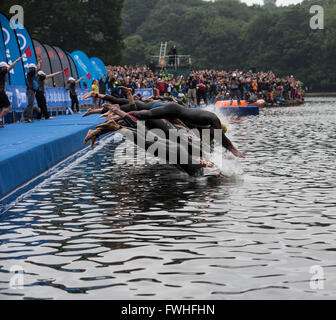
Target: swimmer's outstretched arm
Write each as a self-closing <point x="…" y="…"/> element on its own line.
<point x="227" y="144"/>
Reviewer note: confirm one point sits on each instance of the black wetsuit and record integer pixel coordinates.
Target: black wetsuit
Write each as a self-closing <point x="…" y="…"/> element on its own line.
<point x="150" y="138"/>
<point x="126" y="106"/>
<point x="193" y="118"/>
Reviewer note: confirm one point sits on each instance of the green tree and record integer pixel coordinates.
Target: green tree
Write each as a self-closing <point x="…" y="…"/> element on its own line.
<point x="92" y="26"/>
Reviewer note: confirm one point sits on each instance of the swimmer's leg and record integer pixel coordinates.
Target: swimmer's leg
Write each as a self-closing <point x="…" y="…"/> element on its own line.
<point x="169" y="111"/>
<point x="93" y="111"/>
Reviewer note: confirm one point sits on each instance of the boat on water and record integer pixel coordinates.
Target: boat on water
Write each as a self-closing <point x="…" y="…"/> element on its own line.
<point x="239" y="108"/>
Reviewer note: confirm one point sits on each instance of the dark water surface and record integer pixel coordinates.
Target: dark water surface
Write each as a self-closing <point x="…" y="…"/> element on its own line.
<point x="103" y="231"/>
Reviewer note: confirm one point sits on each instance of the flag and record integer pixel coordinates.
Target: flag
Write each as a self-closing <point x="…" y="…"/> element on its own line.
<point x="66" y="71"/>
<point x="28" y="52"/>
<point x="89" y="76"/>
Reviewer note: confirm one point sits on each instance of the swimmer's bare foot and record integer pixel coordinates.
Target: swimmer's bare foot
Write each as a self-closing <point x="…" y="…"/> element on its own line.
<point x="93" y="141"/>
<point x="116" y="110"/>
<point x="107" y="114"/>
<point x="91" y="112"/>
<point x="113" y="117"/>
<point x="125" y="89"/>
<point x="110" y="125"/>
<point x="92" y="136"/>
<point x="110" y="116"/>
<point x="89" y="136"/>
<point x="107" y="105"/>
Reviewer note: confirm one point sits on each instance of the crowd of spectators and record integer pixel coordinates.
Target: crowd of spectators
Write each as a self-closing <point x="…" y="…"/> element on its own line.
<point x="205" y="86"/>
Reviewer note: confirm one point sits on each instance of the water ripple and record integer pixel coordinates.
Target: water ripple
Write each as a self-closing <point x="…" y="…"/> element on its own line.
<point x="105" y="231"/>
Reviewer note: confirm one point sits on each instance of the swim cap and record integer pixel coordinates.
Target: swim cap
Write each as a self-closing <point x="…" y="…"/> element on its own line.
<point x="41" y="73"/>
<point x="32" y="65"/>
<point x="3" y="64"/>
<point x="71" y="79"/>
<point x="224" y="128"/>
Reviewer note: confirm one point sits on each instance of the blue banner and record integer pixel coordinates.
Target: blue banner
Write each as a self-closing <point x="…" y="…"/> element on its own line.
<point x="2" y="49"/>
<point x="17" y="76"/>
<point x="145" y="93"/>
<point x="84" y="66"/>
<point x="74" y="72"/>
<point x="56" y="97"/>
<point x="25" y="42"/>
<point x="99" y="66"/>
<point x="3" y="57"/>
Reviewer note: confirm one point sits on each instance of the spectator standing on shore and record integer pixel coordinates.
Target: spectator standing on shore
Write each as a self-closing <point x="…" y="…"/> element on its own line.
<point x="201" y="91"/>
<point x="71" y="86"/>
<point x="40" y="96"/>
<point x="5" y="104"/>
<point x="102" y="88"/>
<point x="192" y="90"/>
<point x="234" y="87"/>
<point x="32" y="87"/>
<point x="161" y="86"/>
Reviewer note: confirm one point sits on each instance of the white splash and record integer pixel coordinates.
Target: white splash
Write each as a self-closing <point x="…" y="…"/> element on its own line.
<point x="227" y="163"/>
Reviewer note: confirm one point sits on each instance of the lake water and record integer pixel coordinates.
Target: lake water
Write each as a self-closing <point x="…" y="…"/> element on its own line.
<point x="99" y="230"/>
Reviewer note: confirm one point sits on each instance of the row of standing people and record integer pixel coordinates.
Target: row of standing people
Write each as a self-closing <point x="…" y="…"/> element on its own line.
<point x="35" y="82"/>
<point x="206" y="85"/>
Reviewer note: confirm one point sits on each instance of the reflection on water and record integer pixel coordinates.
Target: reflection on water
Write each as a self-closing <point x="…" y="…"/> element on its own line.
<point x="103" y="231"/>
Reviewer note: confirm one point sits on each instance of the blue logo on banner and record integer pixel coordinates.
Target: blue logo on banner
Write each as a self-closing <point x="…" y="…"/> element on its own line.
<point x="99" y="66"/>
<point x="17" y="76"/>
<point x="25" y="42"/>
<point x="2" y="48"/>
<point x="56" y="97"/>
<point x="84" y="66"/>
<point x="145" y="93"/>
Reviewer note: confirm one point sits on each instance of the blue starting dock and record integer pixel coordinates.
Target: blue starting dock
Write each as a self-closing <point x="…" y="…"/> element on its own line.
<point x="29" y="149"/>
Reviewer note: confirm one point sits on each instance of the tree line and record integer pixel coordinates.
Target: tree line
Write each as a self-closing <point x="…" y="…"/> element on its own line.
<point x="222" y="34"/>
<point x="92" y="26"/>
<point x="227" y="34"/>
